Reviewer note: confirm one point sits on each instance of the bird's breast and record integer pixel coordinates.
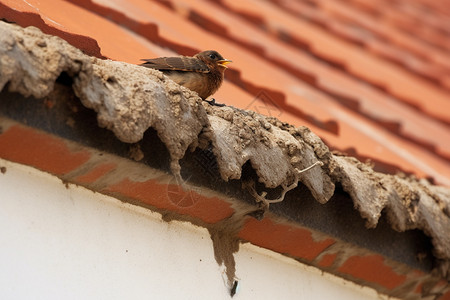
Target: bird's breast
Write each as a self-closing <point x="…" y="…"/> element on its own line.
<point x="205" y="84"/>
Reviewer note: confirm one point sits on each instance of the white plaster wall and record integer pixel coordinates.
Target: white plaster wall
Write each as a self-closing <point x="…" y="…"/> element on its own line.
<point x="72" y="243"/>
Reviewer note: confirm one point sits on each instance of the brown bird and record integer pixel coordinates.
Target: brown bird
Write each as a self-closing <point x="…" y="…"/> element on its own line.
<point x="201" y="73"/>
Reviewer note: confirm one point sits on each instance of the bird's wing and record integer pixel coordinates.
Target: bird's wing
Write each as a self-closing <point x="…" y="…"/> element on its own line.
<point x="181" y="63"/>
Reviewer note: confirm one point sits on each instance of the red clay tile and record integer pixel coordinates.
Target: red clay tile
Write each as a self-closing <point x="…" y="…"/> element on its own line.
<point x="173" y="197"/>
<point x="439" y="6"/>
<point x="322" y="77"/>
<point x="66" y="17"/>
<point x="358" y="28"/>
<point x="446" y="296"/>
<point x="438" y="287"/>
<point x="327" y="260"/>
<point x="141" y="25"/>
<point x="95" y="173"/>
<point x="373" y="269"/>
<point x="405" y="15"/>
<point x="383" y="31"/>
<point x="43" y="151"/>
<point x="402" y="85"/>
<point x="25" y="15"/>
<point x="432" y="24"/>
<point x="283" y="238"/>
<point x="418" y="289"/>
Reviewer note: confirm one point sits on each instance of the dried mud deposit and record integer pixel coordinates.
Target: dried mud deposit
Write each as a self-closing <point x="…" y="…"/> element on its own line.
<point x="129" y="99"/>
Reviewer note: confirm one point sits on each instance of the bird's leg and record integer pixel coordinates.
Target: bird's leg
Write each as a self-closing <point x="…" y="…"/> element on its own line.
<point x="214" y="103"/>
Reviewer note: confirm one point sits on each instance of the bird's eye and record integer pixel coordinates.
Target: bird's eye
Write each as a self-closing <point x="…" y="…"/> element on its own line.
<point x="212" y="56"/>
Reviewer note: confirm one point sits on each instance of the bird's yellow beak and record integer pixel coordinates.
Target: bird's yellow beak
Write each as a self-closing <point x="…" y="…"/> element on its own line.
<point x="223" y="62"/>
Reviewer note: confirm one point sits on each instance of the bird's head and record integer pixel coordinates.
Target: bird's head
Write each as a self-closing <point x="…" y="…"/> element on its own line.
<point x="213" y="58"/>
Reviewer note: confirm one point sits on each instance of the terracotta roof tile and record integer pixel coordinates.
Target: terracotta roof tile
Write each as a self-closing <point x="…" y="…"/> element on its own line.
<point x="405" y="15"/>
<point x="368" y="101"/>
<point x="357" y="81"/>
<point x="73" y="19"/>
<point x="363" y="29"/>
<point x="404" y="86"/>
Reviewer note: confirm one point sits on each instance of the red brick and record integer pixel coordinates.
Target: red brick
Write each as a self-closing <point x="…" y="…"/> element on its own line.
<point x="372" y="268"/>
<point x="43" y="151"/>
<point x="418" y="289"/>
<point x="441" y="287"/>
<point x="446" y="296"/>
<point x="282" y="238"/>
<point x="95" y="173"/>
<point x="327" y="260"/>
<point x="172" y="197"/>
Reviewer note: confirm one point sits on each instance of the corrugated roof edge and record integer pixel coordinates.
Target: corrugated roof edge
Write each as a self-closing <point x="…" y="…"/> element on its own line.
<point x="129" y="99"/>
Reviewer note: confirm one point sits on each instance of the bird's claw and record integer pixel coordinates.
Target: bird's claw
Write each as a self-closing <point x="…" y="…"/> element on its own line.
<point x="214" y="103"/>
